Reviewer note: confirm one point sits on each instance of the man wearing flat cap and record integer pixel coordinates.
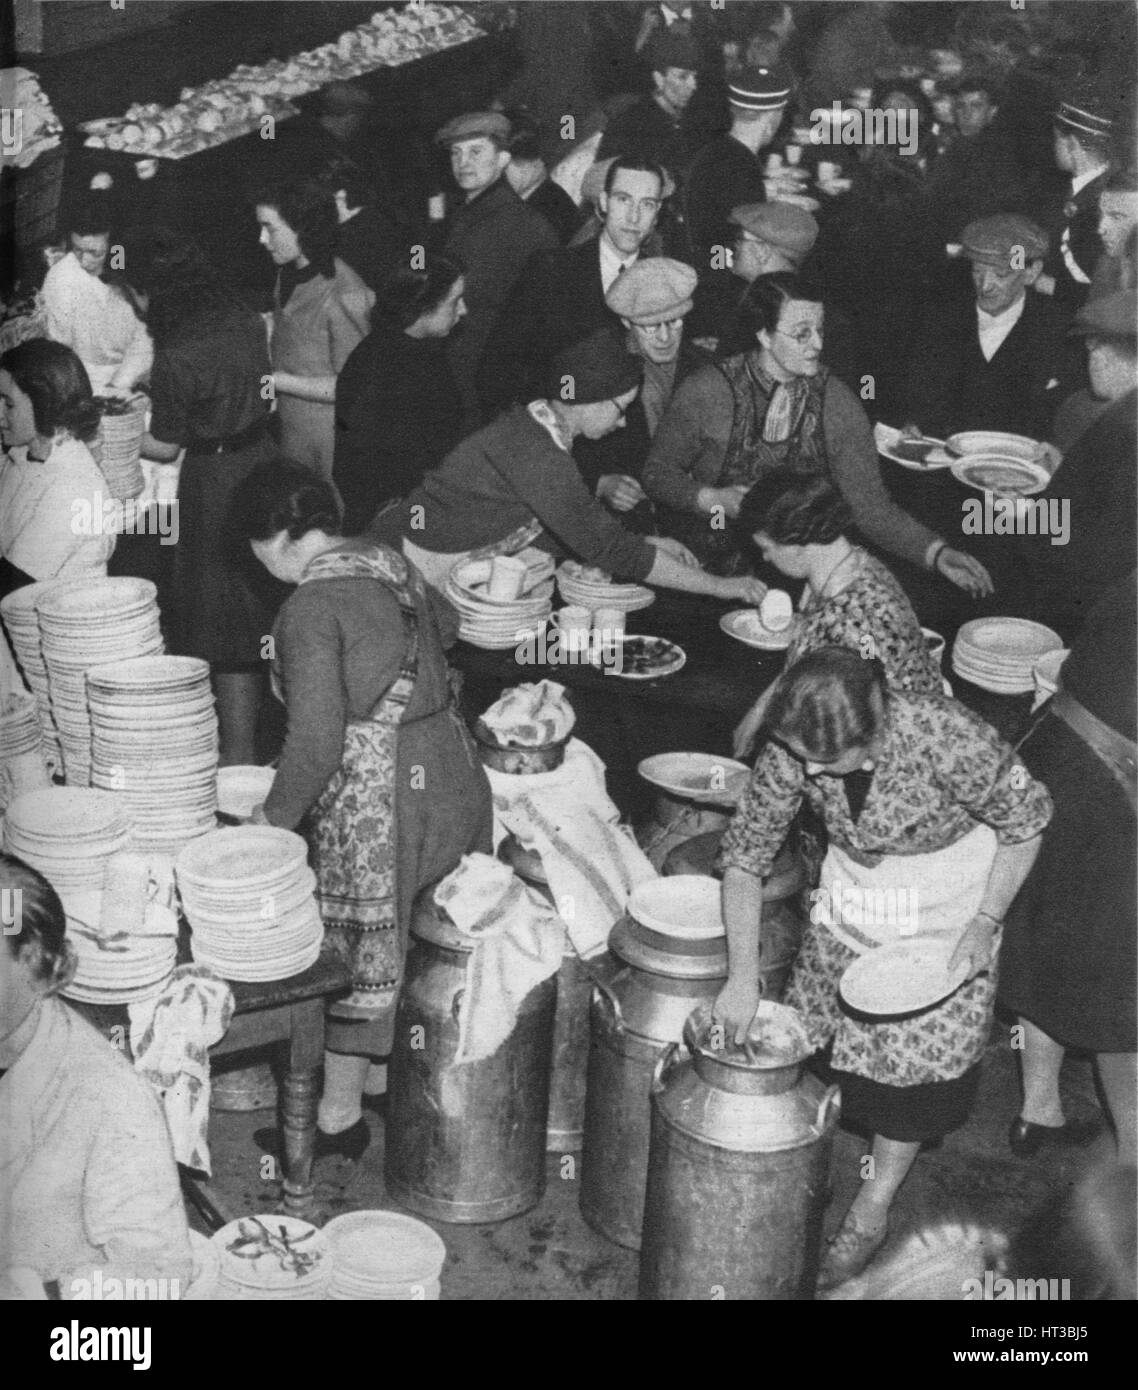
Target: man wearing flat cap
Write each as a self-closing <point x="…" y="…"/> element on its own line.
<point x="651" y="300"/>
<point x="494" y="234"/>
<point x="1097" y="476"/>
<point x="991" y="356"/>
<point x="654" y="127"/>
<point x="1084" y="128"/>
<point x="561" y="297"/>
<point x="728" y="170"/>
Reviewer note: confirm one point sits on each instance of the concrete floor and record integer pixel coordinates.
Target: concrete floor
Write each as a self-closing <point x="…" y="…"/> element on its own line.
<point x="549" y="1253"/>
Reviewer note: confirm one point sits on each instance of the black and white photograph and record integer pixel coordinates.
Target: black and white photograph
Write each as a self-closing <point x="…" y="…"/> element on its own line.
<point x="568" y="663"/>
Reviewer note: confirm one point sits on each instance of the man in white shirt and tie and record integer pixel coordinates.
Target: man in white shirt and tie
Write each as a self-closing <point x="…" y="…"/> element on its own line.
<point x="992" y="358"/>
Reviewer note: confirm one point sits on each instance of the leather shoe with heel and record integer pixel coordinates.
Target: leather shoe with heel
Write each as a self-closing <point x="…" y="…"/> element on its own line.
<point x="1025" y="1139"/>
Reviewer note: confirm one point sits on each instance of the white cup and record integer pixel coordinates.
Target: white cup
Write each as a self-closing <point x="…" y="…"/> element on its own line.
<point x="776" y="610"/>
<point x="574" y="625"/>
<point x="774" y="165"/>
<point x="437" y="207"/>
<point x="828" y="171"/>
<point x="608" y="628"/>
<point x="793" y="154"/>
<point x="935" y="643"/>
<point x="507" y="575"/>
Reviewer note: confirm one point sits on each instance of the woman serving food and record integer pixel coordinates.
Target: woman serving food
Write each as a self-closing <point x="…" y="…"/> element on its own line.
<point x="919" y="797"/>
<point x="515" y="483"/>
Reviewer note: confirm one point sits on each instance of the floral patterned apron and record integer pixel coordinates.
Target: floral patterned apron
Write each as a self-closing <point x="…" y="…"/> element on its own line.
<point x="351" y="828"/>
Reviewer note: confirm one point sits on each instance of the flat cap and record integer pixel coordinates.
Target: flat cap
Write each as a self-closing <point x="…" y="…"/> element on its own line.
<point x="672" y="48"/>
<point x="1005" y="238"/>
<point x="1112" y="316"/>
<point x="654" y="289"/>
<point x="593" y="183"/>
<point x="779" y="224"/>
<point x="761" y="89"/>
<point x="475" y="123"/>
<point x="1086" y="111"/>
<point x="597" y="369"/>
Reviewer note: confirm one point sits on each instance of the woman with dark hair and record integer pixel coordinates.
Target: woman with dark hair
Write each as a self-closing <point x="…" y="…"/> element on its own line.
<point x="933" y="824"/>
<point x="321" y="314"/>
<point x="802" y="527"/>
<point x="210" y="366"/>
<point x="88" y="1183"/>
<point x="51" y="489"/>
<point x="776" y="408"/>
<point x="398" y="411"/>
<point x="86" y="310"/>
<point x="378" y="768"/>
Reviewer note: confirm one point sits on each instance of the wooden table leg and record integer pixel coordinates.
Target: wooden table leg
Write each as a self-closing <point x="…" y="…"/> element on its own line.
<point x="299" y="1103"/>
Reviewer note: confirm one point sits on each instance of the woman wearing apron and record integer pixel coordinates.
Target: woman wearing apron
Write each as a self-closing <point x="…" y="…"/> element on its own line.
<point x="378" y="769"/>
<point x="926" y="807"/>
<point x="515" y="483"/>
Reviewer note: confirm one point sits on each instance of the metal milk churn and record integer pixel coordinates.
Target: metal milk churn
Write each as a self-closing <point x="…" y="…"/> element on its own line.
<point x="566" y="1125"/>
<point x="664" y="967"/>
<point x="739" y="1164"/>
<point x="464" y="1143"/>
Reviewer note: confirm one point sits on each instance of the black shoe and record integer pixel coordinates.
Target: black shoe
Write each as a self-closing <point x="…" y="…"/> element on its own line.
<point x="349" y="1143"/>
<point x="1025" y="1139"/>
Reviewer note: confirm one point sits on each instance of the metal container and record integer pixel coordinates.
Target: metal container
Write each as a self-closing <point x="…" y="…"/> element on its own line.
<point x="464" y="1143"/>
<point x="654" y="984"/>
<point x="738" y="1169"/>
<point x="783" y="922"/>
<point x="675" y="820"/>
<point x="518" y="762"/>
<point x="566" y="1126"/>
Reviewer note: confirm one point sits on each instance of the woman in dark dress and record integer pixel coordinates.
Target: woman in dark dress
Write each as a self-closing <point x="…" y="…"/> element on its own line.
<point x="378" y="768"/>
<point x="1069" y="955"/>
<point x="398" y="412"/>
<point x="211" y="364"/>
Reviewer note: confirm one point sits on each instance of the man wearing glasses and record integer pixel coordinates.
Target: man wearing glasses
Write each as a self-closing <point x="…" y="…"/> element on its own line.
<point x="560" y="300"/>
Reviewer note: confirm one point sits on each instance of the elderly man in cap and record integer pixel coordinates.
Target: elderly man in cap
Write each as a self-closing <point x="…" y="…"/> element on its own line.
<point x="651" y="299"/>
<point x="494" y="234"/>
<point x="991" y="357"/>
<point x="560" y="299"/>
<point x="1083" y="131"/>
<point x="1096" y="478"/>
<point x="728" y="170"/>
<point x="653" y="128"/>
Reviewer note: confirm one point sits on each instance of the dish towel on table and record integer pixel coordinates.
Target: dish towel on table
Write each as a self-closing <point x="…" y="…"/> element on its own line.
<point x="518" y="941"/>
<point x="170" y="1037"/>
<point x="592" y="863"/>
<point x="530" y="716"/>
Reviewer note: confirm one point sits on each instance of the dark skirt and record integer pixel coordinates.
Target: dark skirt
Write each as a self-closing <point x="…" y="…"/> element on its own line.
<point x="908" y="1114"/>
<point x="1070" y="950"/>
<point x="224" y="606"/>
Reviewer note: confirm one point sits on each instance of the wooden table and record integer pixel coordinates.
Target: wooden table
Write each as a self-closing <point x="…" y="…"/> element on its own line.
<point x="284" y="1011"/>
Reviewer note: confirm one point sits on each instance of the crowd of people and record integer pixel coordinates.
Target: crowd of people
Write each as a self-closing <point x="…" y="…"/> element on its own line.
<point x="674" y="377"/>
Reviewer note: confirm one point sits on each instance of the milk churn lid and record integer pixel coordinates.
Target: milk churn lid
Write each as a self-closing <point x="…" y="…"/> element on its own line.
<point x="777" y="1038"/>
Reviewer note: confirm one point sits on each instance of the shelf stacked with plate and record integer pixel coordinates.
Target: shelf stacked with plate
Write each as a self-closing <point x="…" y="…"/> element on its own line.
<point x="154" y="739"/>
<point x="89" y="623"/>
<point x="496" y="624"/>
<point x="248" y="895"/>
<point x="999" y="654"/>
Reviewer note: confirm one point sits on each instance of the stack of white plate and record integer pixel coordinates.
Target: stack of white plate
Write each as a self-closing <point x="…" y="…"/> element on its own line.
<point x="495" y="623"/>
<point x="998" y="653"/>
<point x="22" y="766"/>
<point x="588" y="588"/>
<point x="271" y="1257"/>
<point x="154" y="739"/>
<point x="68" y="834"/>
<point x="85" y="625"/>
<point x="120" y="447"/>
<point x="115" y="967"/>
<point x="384" y="1255"/>
<point x="247" y="892"/>
<point x="18" y="611"/>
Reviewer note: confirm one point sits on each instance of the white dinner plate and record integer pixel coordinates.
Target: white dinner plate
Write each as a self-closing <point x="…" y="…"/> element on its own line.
<point x="643" y="658"/>
<point x="887" y="440"/>
<point x="902" y="977"/>
<point x="697" y="776"/>
<point x="746" y="625"/>
<point x="1001" y="474"/>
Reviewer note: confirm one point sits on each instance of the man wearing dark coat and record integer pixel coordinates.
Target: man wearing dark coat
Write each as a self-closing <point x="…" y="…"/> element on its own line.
<point x="561" y="298"/>
<point x="653" y="128"/>
<point x="1083" y="131"/>
<point x="992" y="359"/>
<point x="493" y="235"/>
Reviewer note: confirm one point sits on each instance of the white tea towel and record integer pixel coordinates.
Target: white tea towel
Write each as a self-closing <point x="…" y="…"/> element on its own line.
<point x="170" y="1038"/>
<point x="531" y="716"/>
<point x="590" y="859"/>
<point x="518" y="942"/>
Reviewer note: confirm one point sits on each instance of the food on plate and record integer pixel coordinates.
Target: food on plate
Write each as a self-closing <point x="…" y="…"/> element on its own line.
<point x="644" y="656"/>
<point x="914" y="450"/>
<point x="1000" y="477"/>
